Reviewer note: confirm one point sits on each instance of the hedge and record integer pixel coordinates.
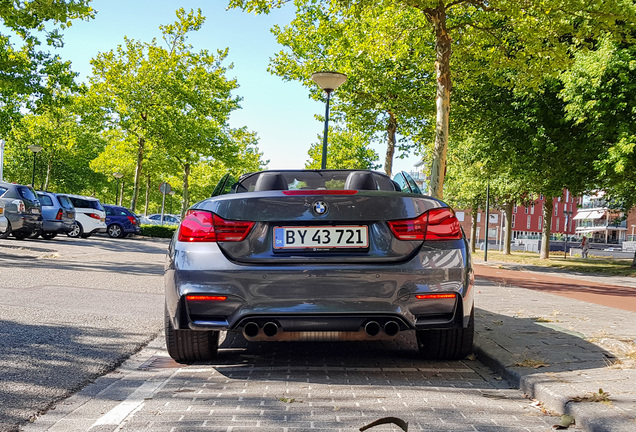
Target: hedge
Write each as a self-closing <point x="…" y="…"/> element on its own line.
<point x="162" y="231"/>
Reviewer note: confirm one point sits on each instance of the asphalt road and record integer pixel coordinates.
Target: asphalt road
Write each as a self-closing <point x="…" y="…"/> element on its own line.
<point x="70" y="311"/>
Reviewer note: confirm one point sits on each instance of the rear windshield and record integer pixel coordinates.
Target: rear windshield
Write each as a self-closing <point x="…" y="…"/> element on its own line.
<point x="27" y="193"/>
<point x="313" y="179"/>
<point x="86" y="203"/>
<point x="65" y="202"/>
<point x="45" y="200"/>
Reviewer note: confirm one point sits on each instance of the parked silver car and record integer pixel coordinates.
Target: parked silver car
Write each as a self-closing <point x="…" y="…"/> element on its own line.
<point x="58" y="214"/>
<point x="22" y="210"/>
<point x="284" y="253"/>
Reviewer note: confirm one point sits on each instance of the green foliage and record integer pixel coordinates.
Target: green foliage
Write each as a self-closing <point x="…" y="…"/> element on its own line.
<point x="346" y="150"/>
<point x="161" y="231"/>
<point x="27" y="74"/>
<point x="600" y="90"/>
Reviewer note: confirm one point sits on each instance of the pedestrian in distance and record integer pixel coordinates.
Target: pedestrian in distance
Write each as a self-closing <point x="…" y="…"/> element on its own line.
<point x="585" y="247"/>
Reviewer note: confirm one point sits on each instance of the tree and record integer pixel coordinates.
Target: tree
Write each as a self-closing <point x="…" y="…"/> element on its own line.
<point x="600" y="90"/>
<point x="25" y="72"/>
<point x="533" y="37"/>
<point x="387" y="92"/>
<point x="347" y="150"/>
<point x="171" y="98"/>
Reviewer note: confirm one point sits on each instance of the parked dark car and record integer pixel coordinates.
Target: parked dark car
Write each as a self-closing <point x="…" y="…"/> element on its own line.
<point x="58" y="214"/>
<point x="120" y="221"/>
<point x="22" y="210"/>
<point x="283" y="254"/>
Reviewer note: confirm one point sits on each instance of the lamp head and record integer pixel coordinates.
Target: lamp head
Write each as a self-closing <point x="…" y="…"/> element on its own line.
<point x="35" y="148"/>
<point x="118" y="175"/>
<point x="328" y="81"/>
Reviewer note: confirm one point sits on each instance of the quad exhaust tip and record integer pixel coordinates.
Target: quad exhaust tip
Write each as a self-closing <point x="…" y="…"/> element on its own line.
<point x="391" y="328"/>
<point x="250" y="329"/>
<point x="372" y="328"/>
<point x="270" y="329"/>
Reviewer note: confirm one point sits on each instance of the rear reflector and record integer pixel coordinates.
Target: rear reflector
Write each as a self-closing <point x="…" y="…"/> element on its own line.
<point x="205" y="298"/>
<point x="205" y="226"/>
<point x="435" y="296"/>
<point x="435" y="224"/>
<point x="320" y="192"/>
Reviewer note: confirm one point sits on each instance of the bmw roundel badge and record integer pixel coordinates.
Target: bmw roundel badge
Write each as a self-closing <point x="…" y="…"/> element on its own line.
<point x="320" y="207"/>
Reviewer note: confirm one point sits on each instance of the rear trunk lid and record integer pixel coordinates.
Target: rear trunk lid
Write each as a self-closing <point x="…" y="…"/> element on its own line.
<point x="330" y="227"/>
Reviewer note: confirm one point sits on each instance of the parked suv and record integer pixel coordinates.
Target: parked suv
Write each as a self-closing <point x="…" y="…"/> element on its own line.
<point x="22" y="210"/>
<point x="90" y="217"/>
<point x="58" y="214"/>
<point x="120" y="221"/>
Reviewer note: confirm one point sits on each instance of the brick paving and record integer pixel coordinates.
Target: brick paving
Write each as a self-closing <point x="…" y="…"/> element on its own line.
<point x="299" y="386"/>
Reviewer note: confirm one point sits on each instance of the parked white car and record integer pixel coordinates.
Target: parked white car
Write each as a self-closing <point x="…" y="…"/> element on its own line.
<point x="155" y="219"/>
<point x="90" y="217"/>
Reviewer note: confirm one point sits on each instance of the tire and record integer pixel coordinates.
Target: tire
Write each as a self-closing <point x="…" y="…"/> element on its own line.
<point x="446" y="344"/>
<point x="48" y="235"/>
<point x="188" y="346"/>
<point x="20" y="235"/>
<point x="76" y="231"/>
<point x="7" y="233"/>
<point x="115" y="231"/>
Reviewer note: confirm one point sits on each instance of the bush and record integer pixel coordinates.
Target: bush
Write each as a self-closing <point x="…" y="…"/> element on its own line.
<point x="162" y="231"/>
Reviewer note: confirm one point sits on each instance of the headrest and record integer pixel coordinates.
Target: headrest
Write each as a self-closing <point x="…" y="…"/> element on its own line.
<point x="270" y="181"/>
<point x="361" y="180"/>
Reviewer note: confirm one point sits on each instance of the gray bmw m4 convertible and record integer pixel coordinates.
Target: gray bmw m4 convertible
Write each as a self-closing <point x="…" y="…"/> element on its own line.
<point x="279" y="254"/>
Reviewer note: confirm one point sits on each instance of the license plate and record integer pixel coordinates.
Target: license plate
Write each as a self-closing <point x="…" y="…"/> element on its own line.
<point x="102" y="219"/>
<point x="35" y="210"/>
<point x="70" y="215"/>
<point x="323" y="237"/>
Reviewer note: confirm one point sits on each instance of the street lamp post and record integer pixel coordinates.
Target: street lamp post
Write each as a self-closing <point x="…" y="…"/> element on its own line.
<point x="118" y="176"/>
<point x="328" y="81"/>
<point x="35" y="149"/>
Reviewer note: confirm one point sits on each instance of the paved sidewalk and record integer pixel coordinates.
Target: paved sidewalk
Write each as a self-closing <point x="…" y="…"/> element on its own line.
<point x="575" y="356"/>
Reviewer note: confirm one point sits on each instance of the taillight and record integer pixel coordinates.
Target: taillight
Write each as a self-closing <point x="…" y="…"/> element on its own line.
<point x="198" y="297"/>
<point x="94" y="216"/>
<point x="205" y="226"/>
<point x="320" y="192"/>
<point x="435" y="296"/>
<point x="58" y="216"/>
<point x="435" y="224"/>
<point x="20" y="205"/>
<point x="132" y="220"/>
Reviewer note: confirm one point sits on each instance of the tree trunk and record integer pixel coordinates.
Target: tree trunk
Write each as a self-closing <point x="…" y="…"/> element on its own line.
<point x="140" y="159"/>
<point x="508" y="233"/>
<point x="49" y="165"/>
<point x="390" y="145"/>
<point x="473" y="229"/>
<point x="186" y="194"/>
<point x="548" y="208"/>
<point x="147" y="196"/>
<point x="443" y="52"/>
<point x="634" y="261"/>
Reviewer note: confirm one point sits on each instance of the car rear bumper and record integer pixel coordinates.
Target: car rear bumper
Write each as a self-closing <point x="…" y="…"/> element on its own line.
<point x="319" y="297"/>
<point x="25" y="222"/>
<point x="57" y="226"/>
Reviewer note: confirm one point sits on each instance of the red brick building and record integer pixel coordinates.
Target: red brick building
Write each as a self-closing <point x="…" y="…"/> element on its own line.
<point x="571" y="216"/>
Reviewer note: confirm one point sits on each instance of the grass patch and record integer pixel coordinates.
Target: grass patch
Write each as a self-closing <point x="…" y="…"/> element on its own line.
<point x="609" y="266"/>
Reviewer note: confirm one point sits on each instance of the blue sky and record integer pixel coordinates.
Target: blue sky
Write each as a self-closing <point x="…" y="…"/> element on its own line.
<point x="280" y="112"/>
